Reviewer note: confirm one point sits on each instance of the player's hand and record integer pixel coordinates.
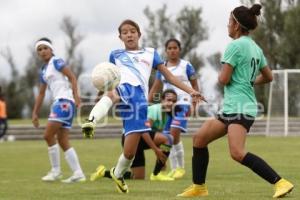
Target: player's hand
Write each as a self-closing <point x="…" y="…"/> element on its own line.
<point x="88" y="129"/>
<point x="160" y="155"/>
<point x="35" y="120"/>
<point x="197" y="97"/>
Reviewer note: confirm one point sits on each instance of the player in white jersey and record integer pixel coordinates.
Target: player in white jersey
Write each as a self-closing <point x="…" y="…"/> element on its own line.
<point x="131" y="95"/>
<point x="57" y="76"/>
<point x="185" y="72"/>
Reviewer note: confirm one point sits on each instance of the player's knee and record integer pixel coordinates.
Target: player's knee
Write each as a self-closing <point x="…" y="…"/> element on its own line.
<point x="237" y="155"/>
<point x="129" y="155"/>
<point x="199" y="141"/>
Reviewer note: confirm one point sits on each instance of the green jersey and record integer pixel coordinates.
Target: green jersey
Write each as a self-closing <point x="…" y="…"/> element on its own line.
<point x="157" y="117"/>
<point x="246" y="59"/>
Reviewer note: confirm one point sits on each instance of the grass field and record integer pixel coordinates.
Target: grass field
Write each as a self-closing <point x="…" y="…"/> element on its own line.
<point x="22" y="163"/>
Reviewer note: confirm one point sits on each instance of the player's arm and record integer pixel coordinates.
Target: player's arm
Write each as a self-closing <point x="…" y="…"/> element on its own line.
<point x="157" y="85"/>
<point x="38" y="104"/>
<point x="173" y="80"/>
<point x="225" y="74"/>
<point x="158" y="152"/>
<point x="265" y="76"/>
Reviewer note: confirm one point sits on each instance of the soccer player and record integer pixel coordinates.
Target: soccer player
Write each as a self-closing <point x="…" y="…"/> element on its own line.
<point x="244" y="65"/>
<point x="160" y="143"/>
<point x="57" y="76"/>
<point x="185" y="71"/>
<point x="131" y="95"/>
<point x="3" y="116"/>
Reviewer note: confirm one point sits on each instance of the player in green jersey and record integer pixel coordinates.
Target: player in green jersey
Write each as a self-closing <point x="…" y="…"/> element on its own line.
<point x="244" y="66"/>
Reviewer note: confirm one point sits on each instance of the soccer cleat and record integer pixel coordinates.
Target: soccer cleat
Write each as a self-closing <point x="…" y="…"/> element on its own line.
<point x="160" y="177"/>
<point x="177" y="173"/>
<point x="75" y="178"/>
<point x="120" y="182"/>
<point x="88" y="129"/>
<point x="195" y="190"/>
<point x="52" y="176"/>
<point x="282" y="187"/>
<point x="100" y="171"/>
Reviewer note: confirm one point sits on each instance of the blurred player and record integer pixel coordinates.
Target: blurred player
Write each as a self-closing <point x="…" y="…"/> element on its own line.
<point x="185" y="72"/>
<point x="131" y="95"/>
<point x="244" y="66"/>
<point x="3" y="116"/>
<point x="158" y="115"/>
<point x="57" y="76"/>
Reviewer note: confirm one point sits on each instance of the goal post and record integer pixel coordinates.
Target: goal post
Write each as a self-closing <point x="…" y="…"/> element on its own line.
<point x="278" y="114"/>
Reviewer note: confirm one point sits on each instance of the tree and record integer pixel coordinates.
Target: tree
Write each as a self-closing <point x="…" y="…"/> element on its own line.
<point x="74" y="38"/>
<point x="187" y="26"/>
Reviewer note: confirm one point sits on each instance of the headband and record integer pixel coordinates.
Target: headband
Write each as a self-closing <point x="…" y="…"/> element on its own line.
<point x="43" y="42"/>
<point x="244" y="27"/>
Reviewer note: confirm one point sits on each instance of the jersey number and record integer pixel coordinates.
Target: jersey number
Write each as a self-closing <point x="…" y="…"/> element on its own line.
<point x="254" y="64"/>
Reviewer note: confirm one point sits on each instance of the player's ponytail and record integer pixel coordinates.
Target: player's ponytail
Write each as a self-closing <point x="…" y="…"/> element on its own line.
<point x="255" y="9"/>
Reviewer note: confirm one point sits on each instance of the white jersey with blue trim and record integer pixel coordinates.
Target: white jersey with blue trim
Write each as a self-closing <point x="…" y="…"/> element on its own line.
<point x="136" y="65"/>
<point x="58" y="84"/>
<point x="185" y="72"/>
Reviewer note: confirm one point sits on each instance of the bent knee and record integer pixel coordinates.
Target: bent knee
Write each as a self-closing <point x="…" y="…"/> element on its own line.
<point x="129" y="156"/>
<point x="237" y="155"/>
<point x="199" y="141"/>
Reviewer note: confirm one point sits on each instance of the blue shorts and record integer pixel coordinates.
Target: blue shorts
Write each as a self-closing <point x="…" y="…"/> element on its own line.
<point x="133" y="109"/>
<point x="62" y="110"/>
<point x="179" y="120"/>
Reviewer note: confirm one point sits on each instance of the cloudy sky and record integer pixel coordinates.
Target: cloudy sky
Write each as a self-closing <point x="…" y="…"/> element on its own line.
<point x="23" y="22"/>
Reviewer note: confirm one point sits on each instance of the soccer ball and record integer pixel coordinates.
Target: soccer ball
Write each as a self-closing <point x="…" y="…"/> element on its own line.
<point x="106" y="76"/>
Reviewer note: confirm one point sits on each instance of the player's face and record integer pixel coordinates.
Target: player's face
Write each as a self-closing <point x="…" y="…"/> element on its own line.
<point x="173" y="51"/>
<point x="130" y="36"/>
<point x="232" y="27"/>
<point x="44" y="52"/>
<point x="168" y="102"/>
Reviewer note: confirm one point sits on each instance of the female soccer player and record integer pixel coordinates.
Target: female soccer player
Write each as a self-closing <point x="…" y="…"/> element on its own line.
<point x="54" y="74"/>
<point x="158" y="115"/>
<point x="3" y="116"/>
<point x="244" y="66"/>
<point x="135" y="64"/>
<point x="186" y="73"/>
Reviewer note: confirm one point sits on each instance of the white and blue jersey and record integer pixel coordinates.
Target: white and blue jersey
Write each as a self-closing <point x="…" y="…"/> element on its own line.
<point x="185" y="72"/>
<point x="63" y="107"/>
<point x="133" y="89"/>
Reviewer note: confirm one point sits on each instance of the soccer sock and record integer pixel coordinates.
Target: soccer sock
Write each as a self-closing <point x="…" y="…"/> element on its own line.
<point x="122" y="166"/>
<point x="173" y="159"/>
<point x="179" y="154"/>
<point x="100" y="109"/>
<point x="159" y="165"/>
<point x="261" y="168"/>
<point x="73" y="161"/>
<point x="127" y="175"/>
<point x="199" y="164"/>
<point x="54" y="157"/>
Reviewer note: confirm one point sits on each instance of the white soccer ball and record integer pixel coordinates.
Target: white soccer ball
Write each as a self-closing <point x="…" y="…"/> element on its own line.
<point x="106" y="76"/>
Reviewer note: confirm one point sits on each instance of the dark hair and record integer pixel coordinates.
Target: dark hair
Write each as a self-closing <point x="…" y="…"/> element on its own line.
<point x="44" y="39"/>
<point x="173" y="40"/>
<point x="246" y="17"/>
<point x="167" y="91"/>
<point x="132" y="23"/>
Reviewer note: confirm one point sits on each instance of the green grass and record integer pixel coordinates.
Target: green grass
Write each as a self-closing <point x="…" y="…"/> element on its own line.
<point x="24" y="162"/>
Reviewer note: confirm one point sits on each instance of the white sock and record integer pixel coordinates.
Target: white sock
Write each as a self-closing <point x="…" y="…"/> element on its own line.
<point x="100" y="109"/>
<point x="173" y="159"/>
<point x="122" y="166"/>
<point x="73" y="161"/>
<point x="54" y="157"/>
<point x="179" y="154"/>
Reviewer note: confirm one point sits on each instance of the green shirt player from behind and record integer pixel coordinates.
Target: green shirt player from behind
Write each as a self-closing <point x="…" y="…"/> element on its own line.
<point x="158" y="139"/>
<point x="244" y="66"/>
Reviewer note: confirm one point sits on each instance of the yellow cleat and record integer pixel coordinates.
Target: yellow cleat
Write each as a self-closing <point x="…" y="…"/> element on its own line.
<point x="100" y="171"/>
<point x="160" y="177"/>
<point x="195" y="190"/>
<point x="177" y="173"/>
<point x="120" y="182"/>
<point x="282" y="187"/>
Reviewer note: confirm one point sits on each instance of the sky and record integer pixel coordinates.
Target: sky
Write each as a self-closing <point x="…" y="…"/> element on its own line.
<point x="23" y="22"/>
